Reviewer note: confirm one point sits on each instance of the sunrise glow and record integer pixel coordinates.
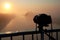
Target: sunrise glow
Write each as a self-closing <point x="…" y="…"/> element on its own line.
<point x="7" y="6"/>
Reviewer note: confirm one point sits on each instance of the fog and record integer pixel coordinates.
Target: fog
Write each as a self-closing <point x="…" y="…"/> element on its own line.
<point x="5" y="20"/>
<point x="25" y="22"/>
<point x="13" y="23"/>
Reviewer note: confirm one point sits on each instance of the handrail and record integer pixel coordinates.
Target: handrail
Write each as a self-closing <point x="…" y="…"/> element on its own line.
<point x="26" y="33"/>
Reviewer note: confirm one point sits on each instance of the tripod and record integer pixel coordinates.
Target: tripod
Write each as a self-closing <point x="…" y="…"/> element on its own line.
<point x="41" y="30"/>
<point x="43" y="20"/>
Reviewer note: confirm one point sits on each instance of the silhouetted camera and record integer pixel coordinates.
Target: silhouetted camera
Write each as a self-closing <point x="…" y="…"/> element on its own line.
<point x="42" y="19"/>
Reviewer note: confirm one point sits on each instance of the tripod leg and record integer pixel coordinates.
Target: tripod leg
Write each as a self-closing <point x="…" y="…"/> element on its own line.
<point x="42" y="32"/>
<point x="50" y="36"/>
<point x="42" y="35"/>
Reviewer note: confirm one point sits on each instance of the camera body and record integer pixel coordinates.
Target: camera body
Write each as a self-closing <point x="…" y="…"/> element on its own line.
<point x="42" y="19"/>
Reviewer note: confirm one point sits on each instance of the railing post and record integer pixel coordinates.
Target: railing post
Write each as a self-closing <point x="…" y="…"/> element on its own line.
<point x="11" y="37"/>
<point x="23" y="37"/>
<point x="0" y="38"/>
<point x="32" y="37"/>
<point x="56" y="35"/>
<point x="49" y="34"/>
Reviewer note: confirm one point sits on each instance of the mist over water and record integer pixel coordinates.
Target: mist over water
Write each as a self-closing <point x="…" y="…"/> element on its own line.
<point x="20" y="17"/>
<point x="25" y="23"/>
<point x="5" y="19"/>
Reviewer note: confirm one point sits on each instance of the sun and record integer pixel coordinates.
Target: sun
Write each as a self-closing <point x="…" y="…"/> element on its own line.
<point x="7" y="5"/>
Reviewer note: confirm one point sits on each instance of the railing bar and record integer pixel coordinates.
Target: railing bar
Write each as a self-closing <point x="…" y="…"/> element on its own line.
<point x="23" y="37"/>
<point x="56" y="35"/>
<point x="28" y="33"/>
<point x="32" y="37"/>
<point x="11" y="38"/>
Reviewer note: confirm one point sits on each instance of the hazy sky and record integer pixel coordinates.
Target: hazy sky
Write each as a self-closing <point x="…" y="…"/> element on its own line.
<point x="21" y="7"/>
<point x="24" y="11"/>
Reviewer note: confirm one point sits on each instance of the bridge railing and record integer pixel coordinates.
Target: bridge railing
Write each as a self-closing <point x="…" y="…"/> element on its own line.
<point x="11" y="35"/>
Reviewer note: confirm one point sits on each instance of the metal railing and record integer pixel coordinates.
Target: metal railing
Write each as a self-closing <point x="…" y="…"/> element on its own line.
<point x="11" y="35"/>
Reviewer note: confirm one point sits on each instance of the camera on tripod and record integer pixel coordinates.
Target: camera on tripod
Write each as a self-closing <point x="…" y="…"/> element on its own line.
<point x="42" y="20"/>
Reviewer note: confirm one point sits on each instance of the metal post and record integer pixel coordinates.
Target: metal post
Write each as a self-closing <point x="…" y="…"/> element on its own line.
<point x="23" y="37"/>
<point x="11" y="37"/>
<point x="32" y="37"/>
<point x="49" y="34"/>
<point x="0" y="38"/>
<point x="56" y="35"/>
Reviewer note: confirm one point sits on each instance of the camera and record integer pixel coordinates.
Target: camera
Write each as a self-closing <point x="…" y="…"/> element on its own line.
<point x="42" y="19"/>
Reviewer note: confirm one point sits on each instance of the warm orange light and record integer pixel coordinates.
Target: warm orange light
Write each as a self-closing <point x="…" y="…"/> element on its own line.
<point x="7" y="6"/>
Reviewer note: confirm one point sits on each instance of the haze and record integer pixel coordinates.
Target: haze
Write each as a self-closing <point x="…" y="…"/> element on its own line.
<point x="25" y="10"/>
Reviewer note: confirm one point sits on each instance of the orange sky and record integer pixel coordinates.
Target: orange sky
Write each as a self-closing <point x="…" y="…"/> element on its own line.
<point x="21" y="7"/>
